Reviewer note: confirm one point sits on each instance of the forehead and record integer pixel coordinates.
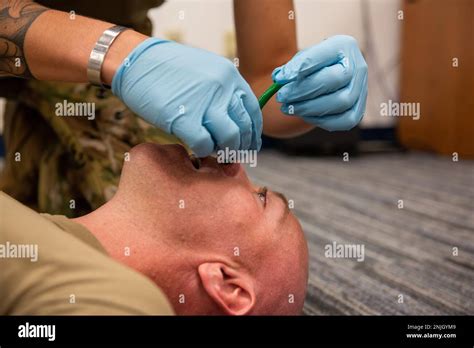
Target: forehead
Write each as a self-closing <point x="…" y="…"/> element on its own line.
<point x="287" y="262"/>
<point x="284" y="231"/>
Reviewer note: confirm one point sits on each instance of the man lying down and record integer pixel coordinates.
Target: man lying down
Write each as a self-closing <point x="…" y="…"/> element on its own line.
<point x="177" y="237"/>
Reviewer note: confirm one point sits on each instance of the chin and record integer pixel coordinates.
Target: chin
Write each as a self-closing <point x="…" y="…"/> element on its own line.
<point x="152" y="159"/>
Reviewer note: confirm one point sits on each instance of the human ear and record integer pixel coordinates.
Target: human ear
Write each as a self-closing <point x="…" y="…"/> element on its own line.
<point x="231" y="289"/>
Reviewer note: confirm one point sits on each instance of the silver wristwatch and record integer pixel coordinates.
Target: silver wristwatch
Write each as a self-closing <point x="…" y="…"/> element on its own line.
<point x="96" y="59"/>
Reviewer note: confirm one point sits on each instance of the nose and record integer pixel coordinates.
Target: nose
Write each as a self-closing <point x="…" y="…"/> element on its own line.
<point x="237" y="172"/>
<point x="233" y="169"/>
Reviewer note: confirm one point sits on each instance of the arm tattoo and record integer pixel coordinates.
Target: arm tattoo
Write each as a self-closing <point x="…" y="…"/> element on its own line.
<point x="16" y="17"/>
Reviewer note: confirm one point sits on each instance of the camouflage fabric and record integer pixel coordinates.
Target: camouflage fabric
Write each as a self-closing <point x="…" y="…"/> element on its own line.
<point x="68" y="165"/>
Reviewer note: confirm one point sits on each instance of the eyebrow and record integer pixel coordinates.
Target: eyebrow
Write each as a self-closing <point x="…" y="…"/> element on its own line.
<point x="282" y="197"/>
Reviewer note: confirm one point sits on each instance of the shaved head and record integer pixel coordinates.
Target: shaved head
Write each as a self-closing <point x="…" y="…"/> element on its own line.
<point x="209" y="238"/>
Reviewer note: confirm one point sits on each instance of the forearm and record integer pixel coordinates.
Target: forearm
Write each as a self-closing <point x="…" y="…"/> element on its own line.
<point x="52" y="45"/>
<point x="266" y="39"/>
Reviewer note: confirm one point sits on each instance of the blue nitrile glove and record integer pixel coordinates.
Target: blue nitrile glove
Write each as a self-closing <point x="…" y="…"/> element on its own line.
<point x="196" y="95"/>
<point x="325" y="84"/>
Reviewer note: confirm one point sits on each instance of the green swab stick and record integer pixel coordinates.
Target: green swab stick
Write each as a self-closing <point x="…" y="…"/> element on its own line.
<point x="268" y="94"/>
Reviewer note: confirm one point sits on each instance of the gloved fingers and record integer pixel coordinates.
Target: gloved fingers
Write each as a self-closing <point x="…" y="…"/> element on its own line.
<point x="333" y="103"/>
<point x="223" y="129"/>
<point x="250" y="102"/>
<point x="195" y="136"/>
<point x="343" y="121"/>
<point x="308" y="61"/>
<point x="324" y="81"/>
<point x="240" y="116"/>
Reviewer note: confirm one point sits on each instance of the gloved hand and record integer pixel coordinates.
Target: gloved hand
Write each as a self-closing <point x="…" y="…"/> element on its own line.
<point x="325" y="84"/>
<point x="196" y="95"/>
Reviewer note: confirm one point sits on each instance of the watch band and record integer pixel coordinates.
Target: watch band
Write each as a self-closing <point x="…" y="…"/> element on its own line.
<point x="97" y="56"/>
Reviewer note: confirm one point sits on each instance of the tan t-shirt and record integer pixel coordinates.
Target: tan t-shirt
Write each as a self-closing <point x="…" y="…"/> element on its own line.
<point x="50" y="265"/>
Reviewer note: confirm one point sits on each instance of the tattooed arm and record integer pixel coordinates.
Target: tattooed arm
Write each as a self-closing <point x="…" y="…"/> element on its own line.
<point x="37" y="42"/>
<point x="15" y="19"/>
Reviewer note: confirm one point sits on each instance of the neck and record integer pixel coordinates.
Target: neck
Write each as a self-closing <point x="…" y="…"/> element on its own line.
<point x="126" y="236"/>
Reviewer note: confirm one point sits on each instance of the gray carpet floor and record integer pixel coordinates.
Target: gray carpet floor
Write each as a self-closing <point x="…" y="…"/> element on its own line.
<point x="410" y="266"/>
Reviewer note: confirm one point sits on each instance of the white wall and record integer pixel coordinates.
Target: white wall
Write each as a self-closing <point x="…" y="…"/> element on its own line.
<point x="205" y="24"/>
